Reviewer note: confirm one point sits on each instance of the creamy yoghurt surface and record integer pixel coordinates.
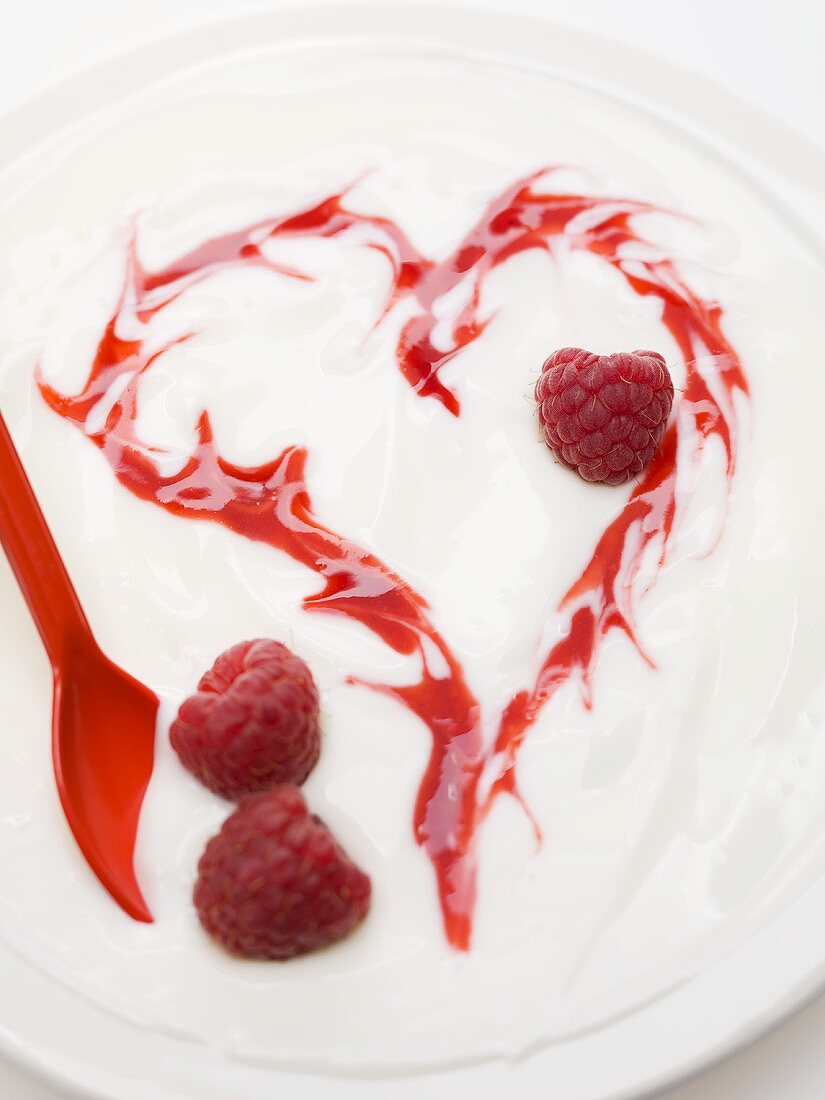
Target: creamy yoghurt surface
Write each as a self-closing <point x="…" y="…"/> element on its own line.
<point x="354" y="266"/>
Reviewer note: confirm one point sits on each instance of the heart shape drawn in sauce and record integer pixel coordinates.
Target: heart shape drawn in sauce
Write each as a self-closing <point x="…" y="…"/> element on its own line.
<point x="272" y="504"/>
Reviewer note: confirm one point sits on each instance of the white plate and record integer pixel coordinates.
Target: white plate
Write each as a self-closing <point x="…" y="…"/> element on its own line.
<point x="75" y="1043"/>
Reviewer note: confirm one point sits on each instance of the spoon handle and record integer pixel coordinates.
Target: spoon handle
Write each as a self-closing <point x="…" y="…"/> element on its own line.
<point x="34" y="557"/>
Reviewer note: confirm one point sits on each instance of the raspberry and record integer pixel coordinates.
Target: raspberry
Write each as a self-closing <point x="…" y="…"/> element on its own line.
<point x="604" y="415"/>
<point x="253" y="722"/>
<point x="274" y="882"/>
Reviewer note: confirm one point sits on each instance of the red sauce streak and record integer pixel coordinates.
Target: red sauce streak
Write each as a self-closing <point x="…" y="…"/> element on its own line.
<point x="272" y="504"/>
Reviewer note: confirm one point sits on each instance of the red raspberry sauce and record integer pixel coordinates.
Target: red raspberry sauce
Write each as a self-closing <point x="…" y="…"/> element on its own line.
<point x="272" y="503"/>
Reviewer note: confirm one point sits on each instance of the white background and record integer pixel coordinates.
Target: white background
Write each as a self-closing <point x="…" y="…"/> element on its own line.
<point x="769" y="52"/>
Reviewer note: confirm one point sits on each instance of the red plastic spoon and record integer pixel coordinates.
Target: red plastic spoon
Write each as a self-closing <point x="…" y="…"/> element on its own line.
<point x="103" y="720"/>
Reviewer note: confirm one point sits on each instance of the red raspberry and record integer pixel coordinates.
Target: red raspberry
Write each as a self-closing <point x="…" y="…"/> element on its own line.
<point x="604" y="415"/>
<point x="253" y="722"/>
<point x="274" y="883"/>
